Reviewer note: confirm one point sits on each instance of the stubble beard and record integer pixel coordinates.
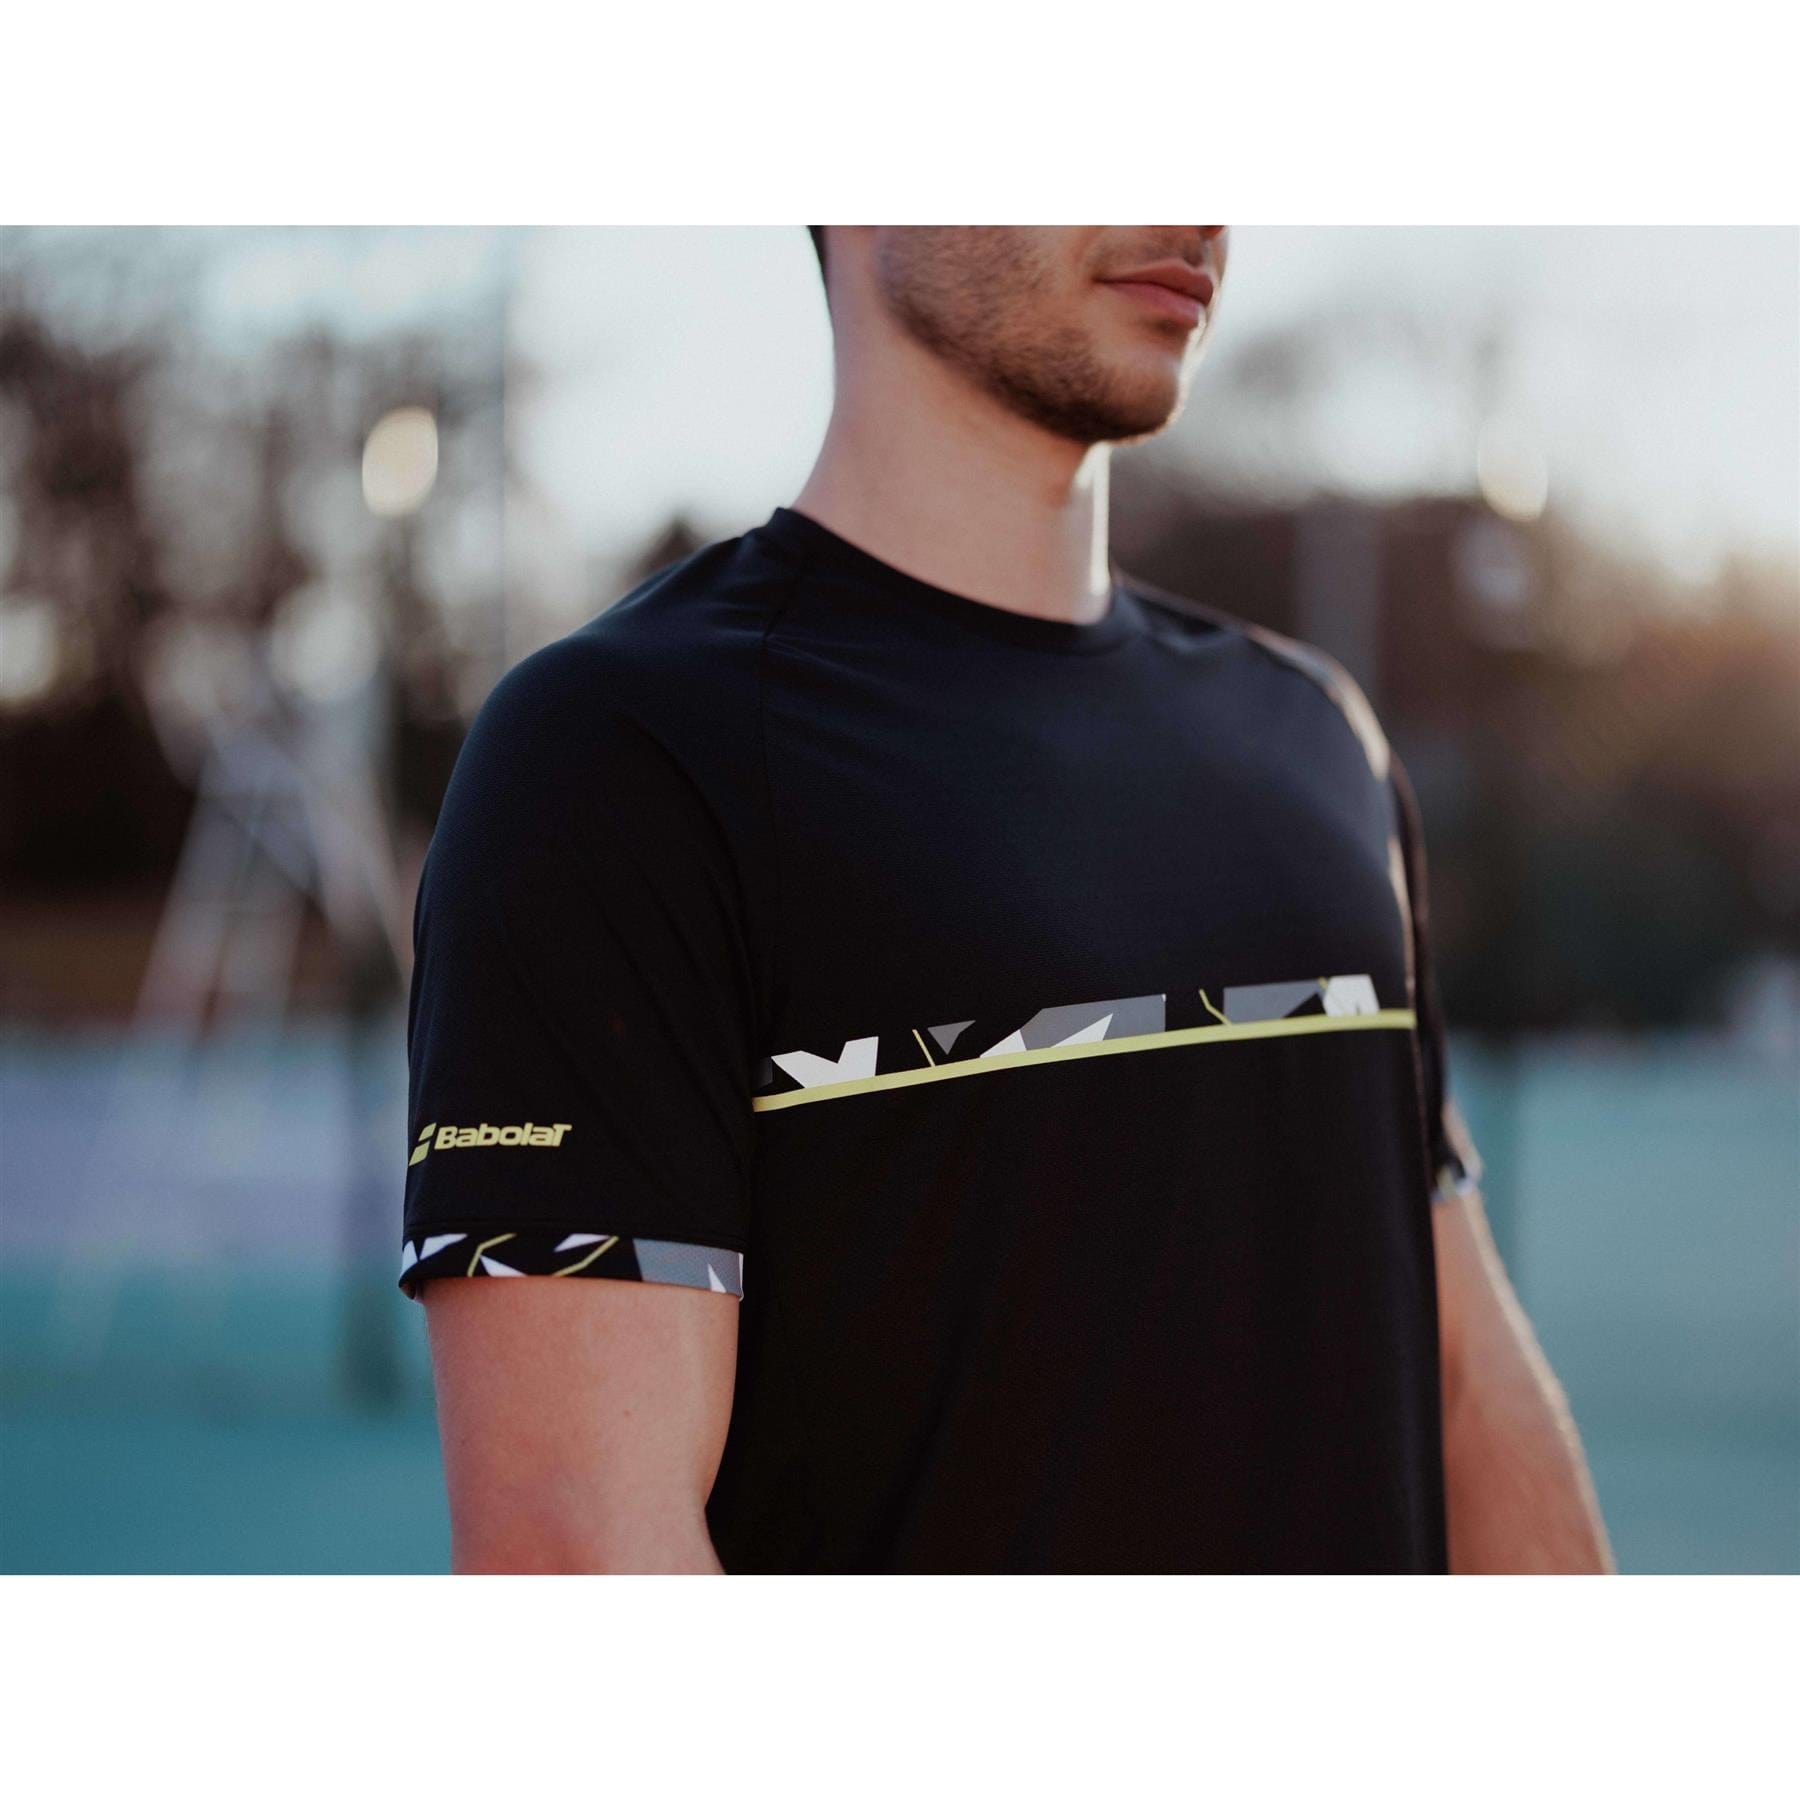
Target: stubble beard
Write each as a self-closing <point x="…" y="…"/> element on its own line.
<point x="975" y="311"/>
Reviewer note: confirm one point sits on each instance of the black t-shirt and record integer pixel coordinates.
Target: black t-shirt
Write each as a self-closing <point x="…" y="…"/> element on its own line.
<point x="1030" y="1022"/>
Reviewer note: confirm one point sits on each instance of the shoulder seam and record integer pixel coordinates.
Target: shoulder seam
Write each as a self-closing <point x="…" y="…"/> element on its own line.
<point x="1184" y="604"/>
<point x="1341" y="688"/>
<point x="1317" y="666"/>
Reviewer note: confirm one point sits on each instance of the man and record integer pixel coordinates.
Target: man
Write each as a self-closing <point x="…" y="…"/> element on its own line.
<point x="965" y="1023"/>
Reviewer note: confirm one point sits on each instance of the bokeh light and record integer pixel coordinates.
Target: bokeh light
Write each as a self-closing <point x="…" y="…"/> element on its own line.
<point x="400" y="462"/>
<point x="30" y="655"/>
<point x="324" y="644"/>
<point x="1511" y="470"/>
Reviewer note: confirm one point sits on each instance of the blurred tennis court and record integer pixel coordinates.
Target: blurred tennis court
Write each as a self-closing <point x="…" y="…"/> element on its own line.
<point x="190" y="1381"/>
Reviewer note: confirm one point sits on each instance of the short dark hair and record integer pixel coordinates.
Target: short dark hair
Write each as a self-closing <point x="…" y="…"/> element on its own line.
<point x="818" y="238"/>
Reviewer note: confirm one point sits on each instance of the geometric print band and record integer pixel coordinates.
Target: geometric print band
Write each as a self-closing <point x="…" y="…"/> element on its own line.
<point x="907" y="1058"/>
<point x="585" y="1254"/>
<point x="1143" y="1022"/>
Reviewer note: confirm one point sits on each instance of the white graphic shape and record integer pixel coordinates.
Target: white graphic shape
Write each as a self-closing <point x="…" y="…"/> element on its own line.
<point x="1088" y="1034"/>
<point x="1349" y="994"/>
<point x="856" y="1063"/>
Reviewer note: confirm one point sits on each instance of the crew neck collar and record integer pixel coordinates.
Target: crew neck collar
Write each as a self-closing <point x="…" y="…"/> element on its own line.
<point x="819" y="546"/>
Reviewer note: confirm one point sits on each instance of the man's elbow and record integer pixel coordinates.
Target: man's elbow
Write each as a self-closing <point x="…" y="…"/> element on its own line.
<point x="671" y="1545"/>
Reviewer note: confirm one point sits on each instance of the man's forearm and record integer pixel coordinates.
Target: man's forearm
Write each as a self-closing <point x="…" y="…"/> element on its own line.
<point x="1519" y="1494"/>
<point x="1520" y="1498"/>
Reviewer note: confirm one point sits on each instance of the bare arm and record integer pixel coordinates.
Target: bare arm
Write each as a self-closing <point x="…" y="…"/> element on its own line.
<point x="1520" y="1498"/>
<point x="582" y="1422"/>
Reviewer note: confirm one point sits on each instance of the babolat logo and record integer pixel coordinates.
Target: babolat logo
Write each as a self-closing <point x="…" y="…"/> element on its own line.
<point x="481" y="1137"/>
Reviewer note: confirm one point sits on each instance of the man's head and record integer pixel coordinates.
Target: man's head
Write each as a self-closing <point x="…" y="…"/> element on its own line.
<point x="1089" y="331"/>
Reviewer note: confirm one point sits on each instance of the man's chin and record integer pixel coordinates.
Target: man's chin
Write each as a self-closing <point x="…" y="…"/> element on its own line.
<point x="1109" y="425"/>
<point x="1103" y="404"/>
<point x="1138" y="399"/>
<point x="1129" y="420"/>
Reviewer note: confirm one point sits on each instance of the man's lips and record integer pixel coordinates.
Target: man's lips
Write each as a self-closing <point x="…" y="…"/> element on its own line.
<point x="1175" y="290"/>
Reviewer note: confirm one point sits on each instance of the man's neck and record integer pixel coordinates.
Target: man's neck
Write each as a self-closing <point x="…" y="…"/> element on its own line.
<point x="936" y="478"/>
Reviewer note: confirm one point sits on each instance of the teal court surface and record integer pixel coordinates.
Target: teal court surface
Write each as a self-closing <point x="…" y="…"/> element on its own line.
<point x="190" y="1383"/>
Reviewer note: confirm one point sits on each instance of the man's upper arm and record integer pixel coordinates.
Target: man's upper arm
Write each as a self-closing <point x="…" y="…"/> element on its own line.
<point x="582" y="1422"/>
<point x="580" y="1041"/>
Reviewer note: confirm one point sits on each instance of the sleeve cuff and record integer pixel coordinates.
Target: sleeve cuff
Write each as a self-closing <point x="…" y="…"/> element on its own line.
<point x="536" y="1251"/>
<point x="1459" y="1166"/>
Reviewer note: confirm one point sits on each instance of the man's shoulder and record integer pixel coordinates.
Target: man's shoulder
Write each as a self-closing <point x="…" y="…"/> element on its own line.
<point x="668" y="675"/>
<point x="705" y="614"/>
<point x="687" y="638"/>
<point x="714" y="600"/>
<point x="1192" y="618"/>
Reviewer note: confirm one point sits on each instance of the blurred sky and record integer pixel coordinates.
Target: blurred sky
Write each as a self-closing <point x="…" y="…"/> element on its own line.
<point x="1659" y="370"/>
<point x="1656" y="370"/>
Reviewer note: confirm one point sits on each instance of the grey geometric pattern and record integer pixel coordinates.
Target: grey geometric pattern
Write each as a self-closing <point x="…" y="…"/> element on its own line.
<point x="1269" y="1000"/>
<point x="852" y="1064"/>
<point x="1086" y="1022"/>
<point x="583" y="1254"/>
<point x="690" y="1265"/>
<point x="1124" y="1018"/>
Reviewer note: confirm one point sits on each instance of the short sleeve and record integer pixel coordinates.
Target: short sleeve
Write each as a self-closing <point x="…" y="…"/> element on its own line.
<point x="1454" y="1160"/>
<point x="580" y="1021"/>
